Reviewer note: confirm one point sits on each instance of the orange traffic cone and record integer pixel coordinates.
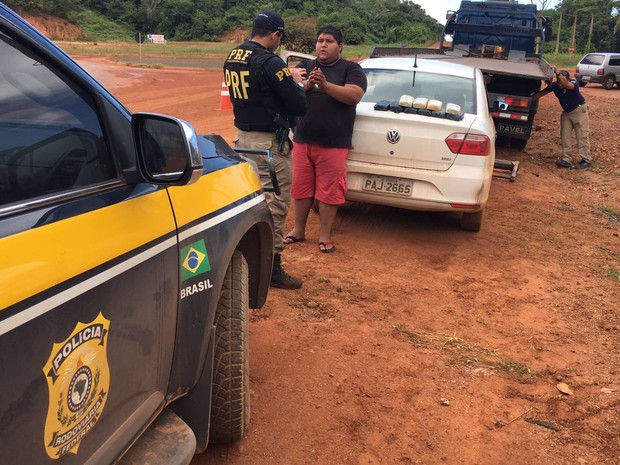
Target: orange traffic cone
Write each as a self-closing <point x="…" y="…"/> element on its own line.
<point x="225" y="98"/>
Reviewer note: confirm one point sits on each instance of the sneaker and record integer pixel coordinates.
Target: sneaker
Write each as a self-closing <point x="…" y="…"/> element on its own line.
<point x="564" y="163"/>
<point x="583" y="164"/>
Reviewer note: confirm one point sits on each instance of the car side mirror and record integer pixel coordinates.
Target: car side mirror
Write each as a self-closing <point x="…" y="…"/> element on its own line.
<point x="168" y="150"/>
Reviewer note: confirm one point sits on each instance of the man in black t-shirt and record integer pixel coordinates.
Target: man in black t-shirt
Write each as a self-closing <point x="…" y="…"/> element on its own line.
<point x="322" y="137"/>
<point x="266" y="98"/>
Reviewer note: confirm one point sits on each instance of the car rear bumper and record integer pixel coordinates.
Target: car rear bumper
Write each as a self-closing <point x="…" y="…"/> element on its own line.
<point x="464" y="187"/>
<point x="589" y="78"/>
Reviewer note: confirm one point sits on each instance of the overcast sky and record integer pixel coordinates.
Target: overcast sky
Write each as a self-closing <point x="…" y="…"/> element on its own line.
<point x="437" y="8"/>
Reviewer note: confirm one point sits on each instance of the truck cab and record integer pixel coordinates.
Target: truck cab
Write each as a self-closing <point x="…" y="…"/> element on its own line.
<point x="132" y="249"/>
<point x="486" y="27"/>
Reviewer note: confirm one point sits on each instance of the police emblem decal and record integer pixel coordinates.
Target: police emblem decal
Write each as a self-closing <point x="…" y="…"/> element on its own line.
<point x="78" y="380"/>
<point x="194" y="260"/>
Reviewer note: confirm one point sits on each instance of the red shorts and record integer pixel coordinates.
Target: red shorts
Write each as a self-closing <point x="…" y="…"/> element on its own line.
<point x="319" y="172"/>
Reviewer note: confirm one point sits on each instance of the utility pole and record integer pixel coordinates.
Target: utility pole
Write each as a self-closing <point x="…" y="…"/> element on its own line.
<point x="571" y="48"/>
<point x="557" y="38"/>
<point x="590" y="35"/>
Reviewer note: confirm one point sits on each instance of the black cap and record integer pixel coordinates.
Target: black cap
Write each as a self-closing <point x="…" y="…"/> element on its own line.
<point x="271" y="21"/>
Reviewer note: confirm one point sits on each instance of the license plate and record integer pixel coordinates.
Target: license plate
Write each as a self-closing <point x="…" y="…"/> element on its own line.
<point x="388" y="185"/>
<point x="585" y="78"/>
<point x="511" y="129"/>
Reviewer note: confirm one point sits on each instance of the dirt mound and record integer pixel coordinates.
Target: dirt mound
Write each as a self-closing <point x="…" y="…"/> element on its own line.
<point x="53" y="27"/>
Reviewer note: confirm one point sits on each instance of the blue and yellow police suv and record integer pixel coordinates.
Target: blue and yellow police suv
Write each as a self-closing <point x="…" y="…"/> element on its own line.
<point x="130" y="252"/>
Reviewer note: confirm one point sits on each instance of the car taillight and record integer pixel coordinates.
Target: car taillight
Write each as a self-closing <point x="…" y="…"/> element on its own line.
<point x="469" y="144"/>
<point x="600" y="72"/>
<point x="576" y="70"/>
<point x="516" y="102"/>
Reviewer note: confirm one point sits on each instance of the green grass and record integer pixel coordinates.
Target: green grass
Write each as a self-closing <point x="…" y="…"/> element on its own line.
<point x="614" y="274"/>
<point x="145" y="65"/>
<point x="565" y="61"/>
<point x="463" y="352"/>
<point x="565" y="207"/>
<point x="170" y="50"/>
<point x="611" y="213"/>
<point x="99" y="28"/>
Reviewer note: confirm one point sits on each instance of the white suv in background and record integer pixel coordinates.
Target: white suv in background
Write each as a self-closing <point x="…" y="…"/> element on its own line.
<point x="603" y="68"/>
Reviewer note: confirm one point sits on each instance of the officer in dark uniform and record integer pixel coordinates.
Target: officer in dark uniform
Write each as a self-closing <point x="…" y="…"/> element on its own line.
<point x="266" y="99"/>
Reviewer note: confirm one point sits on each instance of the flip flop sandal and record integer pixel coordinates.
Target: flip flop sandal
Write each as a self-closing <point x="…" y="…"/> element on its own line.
<point x="292" y="239"/>
<point x="327" y="247"/>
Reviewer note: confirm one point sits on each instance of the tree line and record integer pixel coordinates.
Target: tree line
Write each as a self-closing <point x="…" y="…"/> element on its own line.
<point x="362" y="21"/>
<point x="587" y="25"/>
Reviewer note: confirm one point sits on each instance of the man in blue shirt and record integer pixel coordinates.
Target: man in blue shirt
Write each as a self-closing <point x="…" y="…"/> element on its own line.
<point x="574" y="118"/>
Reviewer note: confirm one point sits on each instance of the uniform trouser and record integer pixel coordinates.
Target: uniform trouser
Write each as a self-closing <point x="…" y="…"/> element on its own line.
<point x="576" y="120"/>
<point x="278" y="204"/>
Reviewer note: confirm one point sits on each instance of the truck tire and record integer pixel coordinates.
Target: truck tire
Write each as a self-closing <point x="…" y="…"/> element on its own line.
<point x="501" y="141"/>
<point x="518" y="144"/>
<point x="472" y="221"/>
<point x="230" y="398"/>
<point x="608" y="82"/>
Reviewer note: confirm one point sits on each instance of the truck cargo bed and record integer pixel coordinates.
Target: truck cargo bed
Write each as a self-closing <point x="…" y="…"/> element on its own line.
<point x="531" y="67"/>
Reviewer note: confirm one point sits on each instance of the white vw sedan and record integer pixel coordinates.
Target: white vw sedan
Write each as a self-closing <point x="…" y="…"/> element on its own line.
<point x="423" y="138"/>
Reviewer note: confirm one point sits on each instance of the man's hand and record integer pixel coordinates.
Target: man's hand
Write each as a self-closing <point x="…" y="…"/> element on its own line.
<point x="317" y="78"/>
<point x="299" y="74"/>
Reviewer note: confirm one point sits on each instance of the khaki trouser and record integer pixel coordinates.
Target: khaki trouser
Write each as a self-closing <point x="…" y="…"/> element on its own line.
<point x="278" y="204"/>
<point x="576" y="120"/>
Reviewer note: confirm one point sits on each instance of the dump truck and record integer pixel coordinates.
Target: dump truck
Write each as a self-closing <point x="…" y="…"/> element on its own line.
<point x="505" y="41"/>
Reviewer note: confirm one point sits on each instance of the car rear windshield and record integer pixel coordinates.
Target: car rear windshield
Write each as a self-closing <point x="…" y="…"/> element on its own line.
<point x="593" y="59"/>
<point x="388" y="84"/>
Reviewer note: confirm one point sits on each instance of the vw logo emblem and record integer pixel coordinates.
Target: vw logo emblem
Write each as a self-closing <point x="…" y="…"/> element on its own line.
<point x="393" y="136"/>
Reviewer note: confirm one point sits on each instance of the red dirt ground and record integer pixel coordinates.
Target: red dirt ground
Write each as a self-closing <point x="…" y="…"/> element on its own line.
<point x="418" y="343"/>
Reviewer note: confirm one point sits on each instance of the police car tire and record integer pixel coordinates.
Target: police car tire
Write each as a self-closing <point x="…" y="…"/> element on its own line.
<point x="230" y="398"/>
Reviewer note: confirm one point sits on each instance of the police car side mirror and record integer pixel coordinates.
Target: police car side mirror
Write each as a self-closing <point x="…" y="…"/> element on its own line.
<point x="167" y="148"/>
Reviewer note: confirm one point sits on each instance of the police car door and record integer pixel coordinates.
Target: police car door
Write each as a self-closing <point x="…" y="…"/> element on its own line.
<point x="89" y="264"/>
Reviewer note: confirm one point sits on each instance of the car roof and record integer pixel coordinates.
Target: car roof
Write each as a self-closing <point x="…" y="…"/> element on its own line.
<point x="600" y="53"/>
<point x="440" y="66"/>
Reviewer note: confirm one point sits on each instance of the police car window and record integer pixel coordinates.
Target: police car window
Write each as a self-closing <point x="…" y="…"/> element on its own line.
<point x="50" y="136"/>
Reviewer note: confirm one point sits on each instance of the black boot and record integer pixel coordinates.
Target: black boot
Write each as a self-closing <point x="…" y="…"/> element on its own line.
<point x="280" y="278"/>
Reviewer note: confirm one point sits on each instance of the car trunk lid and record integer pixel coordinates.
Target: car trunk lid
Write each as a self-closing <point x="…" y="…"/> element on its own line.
<point x="405" y="140"/>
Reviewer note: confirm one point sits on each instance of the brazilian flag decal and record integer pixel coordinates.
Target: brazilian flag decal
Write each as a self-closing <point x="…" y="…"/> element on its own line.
<point x="194" y="260"/>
